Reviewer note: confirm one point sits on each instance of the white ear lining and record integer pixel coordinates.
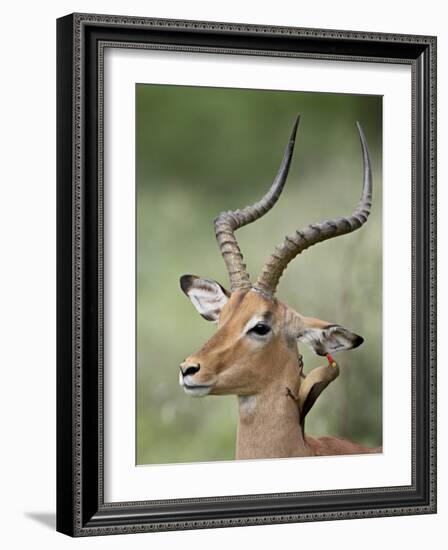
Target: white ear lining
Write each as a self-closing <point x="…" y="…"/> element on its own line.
<point x="330" y="339"/>
<point x="208" y="297"/>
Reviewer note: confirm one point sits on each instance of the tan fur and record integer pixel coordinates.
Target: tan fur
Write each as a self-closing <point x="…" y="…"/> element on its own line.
<point x="233" y="363"/>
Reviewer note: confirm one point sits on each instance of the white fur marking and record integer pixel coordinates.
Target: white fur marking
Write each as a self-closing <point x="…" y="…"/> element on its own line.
<point x="190" y="388"/>
<point x="247" y="404"/>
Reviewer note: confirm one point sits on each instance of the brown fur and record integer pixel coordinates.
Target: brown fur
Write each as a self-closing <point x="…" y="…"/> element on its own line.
<point x="329" y="445"/>
<point x="270" y="423"/>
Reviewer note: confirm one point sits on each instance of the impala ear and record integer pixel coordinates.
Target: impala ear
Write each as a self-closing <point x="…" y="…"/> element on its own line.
<point x="326" y="338"/>
<point x="313" y="385"/>
<point x="208" y="297"/>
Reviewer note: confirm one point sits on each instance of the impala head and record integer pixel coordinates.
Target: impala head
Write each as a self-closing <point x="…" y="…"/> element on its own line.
<point x="257" y="334"/>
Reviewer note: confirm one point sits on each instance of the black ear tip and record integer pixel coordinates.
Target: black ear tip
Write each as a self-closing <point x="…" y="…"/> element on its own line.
<point x="186" y="282"/>
<point x="358" y="341"/>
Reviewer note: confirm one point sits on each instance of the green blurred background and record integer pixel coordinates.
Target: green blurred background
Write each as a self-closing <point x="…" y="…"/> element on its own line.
<point x="204" y="150"/>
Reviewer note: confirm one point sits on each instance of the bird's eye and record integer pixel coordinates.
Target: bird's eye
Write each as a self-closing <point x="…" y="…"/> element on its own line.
<point x="261" y="329"/>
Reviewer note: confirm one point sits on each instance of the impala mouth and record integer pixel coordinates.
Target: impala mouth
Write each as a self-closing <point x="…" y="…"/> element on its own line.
<point x="195" y="390"/>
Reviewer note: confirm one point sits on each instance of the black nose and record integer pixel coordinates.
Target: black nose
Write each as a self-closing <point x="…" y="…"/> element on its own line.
<point x="189" y="369"/>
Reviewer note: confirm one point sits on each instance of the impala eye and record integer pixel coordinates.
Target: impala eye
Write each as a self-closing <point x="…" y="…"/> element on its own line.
<point x="261" y="329"/>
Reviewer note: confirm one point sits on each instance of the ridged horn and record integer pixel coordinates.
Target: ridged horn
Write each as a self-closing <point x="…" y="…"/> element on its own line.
<point x="228" y="222"/>
<point x="312" y="234"/>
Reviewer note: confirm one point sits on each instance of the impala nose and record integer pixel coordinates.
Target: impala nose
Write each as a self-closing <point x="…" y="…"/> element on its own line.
<point x="187" y="369"/>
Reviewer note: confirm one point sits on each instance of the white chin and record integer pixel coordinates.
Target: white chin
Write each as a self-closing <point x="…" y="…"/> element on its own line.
<point x="197" y="392"/>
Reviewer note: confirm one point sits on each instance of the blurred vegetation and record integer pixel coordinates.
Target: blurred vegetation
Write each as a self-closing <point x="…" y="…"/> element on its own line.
<point x="204" y="150"/>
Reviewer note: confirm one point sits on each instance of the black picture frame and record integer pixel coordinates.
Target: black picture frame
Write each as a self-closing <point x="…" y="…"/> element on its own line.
<point x="81" y="510"/>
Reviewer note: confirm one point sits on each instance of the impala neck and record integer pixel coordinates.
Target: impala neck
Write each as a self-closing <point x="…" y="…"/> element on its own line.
<point x="269" y="422"/>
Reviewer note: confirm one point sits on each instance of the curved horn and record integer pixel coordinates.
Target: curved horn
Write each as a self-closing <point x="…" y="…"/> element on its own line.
<point x="228" y="222"/>
<point x="316" y="233"/>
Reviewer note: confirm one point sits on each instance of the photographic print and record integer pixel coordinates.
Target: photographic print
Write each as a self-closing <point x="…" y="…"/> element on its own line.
<point x="277" y="354"/>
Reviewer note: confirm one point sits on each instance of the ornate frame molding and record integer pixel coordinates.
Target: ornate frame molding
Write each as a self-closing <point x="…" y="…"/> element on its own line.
<point x="81" y="42"/>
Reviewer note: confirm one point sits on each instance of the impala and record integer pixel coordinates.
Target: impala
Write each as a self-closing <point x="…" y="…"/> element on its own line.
<point x="254" y="353"/>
